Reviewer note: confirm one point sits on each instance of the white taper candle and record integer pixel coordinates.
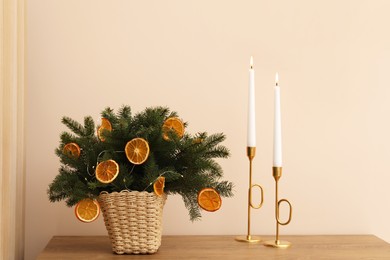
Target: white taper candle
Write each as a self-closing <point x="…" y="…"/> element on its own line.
<point x="251" y="108"/>
<point x="277" y="126"/>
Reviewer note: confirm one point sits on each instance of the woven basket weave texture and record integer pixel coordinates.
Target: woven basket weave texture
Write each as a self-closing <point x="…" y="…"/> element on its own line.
<point x="133" y="220"/>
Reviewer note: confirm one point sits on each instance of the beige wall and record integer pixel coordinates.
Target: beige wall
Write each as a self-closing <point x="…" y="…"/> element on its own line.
<point x="333" y="59"/>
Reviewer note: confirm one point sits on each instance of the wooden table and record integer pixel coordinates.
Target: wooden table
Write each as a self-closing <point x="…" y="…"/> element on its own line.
<point x="225" y="247"/>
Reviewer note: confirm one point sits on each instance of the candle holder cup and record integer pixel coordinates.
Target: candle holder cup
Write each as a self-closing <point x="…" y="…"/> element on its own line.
<point x="251" y="152"/>
<point x="277" y="174"/>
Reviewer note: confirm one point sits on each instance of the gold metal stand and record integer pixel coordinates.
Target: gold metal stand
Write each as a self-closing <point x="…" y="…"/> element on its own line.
<point x="251" y="152"/>
<point x="277" y="173"/>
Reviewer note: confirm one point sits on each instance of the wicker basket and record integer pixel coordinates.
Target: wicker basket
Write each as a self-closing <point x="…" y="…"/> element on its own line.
<point x="133" y="220"/>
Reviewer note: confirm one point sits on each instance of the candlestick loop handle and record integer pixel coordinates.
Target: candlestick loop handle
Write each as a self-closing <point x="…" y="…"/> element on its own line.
<point x="277" y="212"/>
<point x="261" y="196"/>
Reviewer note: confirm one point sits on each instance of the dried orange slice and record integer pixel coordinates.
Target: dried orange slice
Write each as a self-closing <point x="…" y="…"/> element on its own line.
<point x="137" y="150"/>
<point x="159" y="185"/>
<point x="173" y="124"/>
<point x="87" y="210"/>
<point x="107" y="171"/>
<point x="209" y="199"/>
<point x="105" y="126"/>
<point x="72" y="150"/>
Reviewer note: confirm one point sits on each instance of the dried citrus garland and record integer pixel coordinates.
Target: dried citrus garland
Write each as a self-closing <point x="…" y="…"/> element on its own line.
<point x="72" y="150"/>
<point x="105" y="126"/>
<point x="107" y="171"/>
<point x="209" y="199"/>
<point x="87" y="210"/>
<point x="173" y="124"/>
<point x="137" y="150"/>
<point x="159" y="185"/>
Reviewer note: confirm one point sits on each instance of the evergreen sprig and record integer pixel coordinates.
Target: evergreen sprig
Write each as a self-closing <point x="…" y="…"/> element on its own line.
<point x="188" y="163"/>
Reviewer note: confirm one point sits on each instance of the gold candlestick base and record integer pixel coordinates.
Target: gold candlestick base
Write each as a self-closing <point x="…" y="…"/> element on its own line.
<point x="277" y="173"/>
<point x="277" y="243"/>
<point x="248" y="239"/>
<point x="251" y="152"/>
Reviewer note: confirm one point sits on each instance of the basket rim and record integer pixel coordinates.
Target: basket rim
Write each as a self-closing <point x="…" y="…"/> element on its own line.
<point x="164" y="196"/>
<point x="126" y="191"/>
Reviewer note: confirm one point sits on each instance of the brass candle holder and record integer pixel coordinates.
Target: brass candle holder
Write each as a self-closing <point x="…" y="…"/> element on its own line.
<point x="251" y="152"/>
<point x="277" y="173"/>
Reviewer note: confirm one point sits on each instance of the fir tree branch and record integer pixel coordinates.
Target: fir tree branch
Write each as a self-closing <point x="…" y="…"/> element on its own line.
<point x="224" y="188"/>
<point x="188" y="163"/>
<point x="124" y="112"/>
<point x="67" y="138"/>
<point x="89" y="126"/>
<point x="109" y="114"/>
<point x="191" y="204"/>
<point x="74" y="126"/>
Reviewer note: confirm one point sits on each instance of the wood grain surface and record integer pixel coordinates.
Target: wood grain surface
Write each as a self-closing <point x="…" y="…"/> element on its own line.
<point x="225" y="247"/>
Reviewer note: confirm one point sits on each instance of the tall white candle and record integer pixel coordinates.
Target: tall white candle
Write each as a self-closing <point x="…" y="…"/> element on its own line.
<point x="251" y="108"/>
<point x="277" y="126"/>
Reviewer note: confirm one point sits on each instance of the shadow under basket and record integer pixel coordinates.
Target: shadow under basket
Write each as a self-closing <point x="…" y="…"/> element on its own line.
<point x="133" y="220"/>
